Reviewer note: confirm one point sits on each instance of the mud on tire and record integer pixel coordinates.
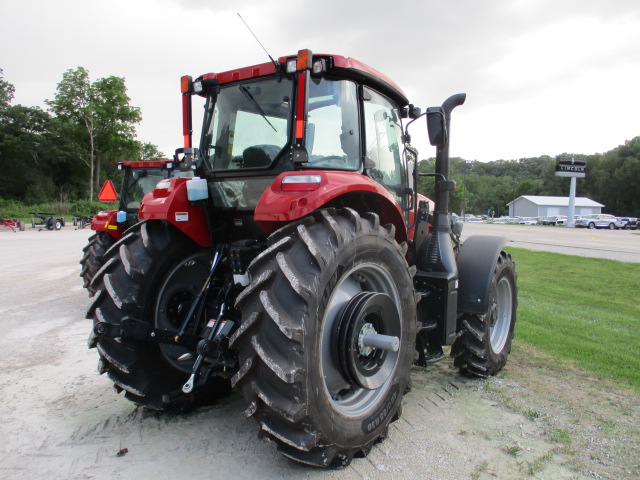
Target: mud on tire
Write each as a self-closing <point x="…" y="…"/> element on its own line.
<point x="485" y="340"/>
<point x="305" y="395"/>
<point x="131" y="284"/>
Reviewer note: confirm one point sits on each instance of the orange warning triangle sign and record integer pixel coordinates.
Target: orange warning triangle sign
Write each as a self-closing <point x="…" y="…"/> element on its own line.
<point x="108" y="192"/>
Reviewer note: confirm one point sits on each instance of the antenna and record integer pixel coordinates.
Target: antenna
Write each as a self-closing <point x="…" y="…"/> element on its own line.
<point x="254" y="36"/>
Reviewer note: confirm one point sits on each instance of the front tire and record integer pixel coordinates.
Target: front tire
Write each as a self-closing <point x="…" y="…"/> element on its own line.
<point x="152" y="274"/>
<point x="93" y="258"/>
<point x="485" y="340"/>
<point x="313" y="386"/>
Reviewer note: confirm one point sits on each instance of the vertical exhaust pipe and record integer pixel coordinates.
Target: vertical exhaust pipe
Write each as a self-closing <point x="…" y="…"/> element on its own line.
<point x="437" y="268"/>
<point x="436" y="255"/>
<point x="442" y="155"/>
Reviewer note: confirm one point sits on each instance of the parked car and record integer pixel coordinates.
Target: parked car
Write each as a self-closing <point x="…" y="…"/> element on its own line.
<point x="598" y="220"/>
<point x="627" y="223"/>
<point x="557" y="220"/>
<point x="528" y="221"/>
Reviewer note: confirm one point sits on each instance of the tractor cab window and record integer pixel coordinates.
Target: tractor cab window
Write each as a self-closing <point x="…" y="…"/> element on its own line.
<point x="248" y="124"/>
<point x="383" y="134"/>
<point x="332" y="138"/>
<point x="139" y="183"/>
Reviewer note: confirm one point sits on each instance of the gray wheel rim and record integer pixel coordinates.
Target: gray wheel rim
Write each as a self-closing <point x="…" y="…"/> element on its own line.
<point x="346" y="398"/>
<point x="501" y="313"/>
<point x="180" y="287"/>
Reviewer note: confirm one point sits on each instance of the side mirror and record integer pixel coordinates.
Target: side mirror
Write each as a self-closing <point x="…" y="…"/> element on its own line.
<point x="436" y="126"/>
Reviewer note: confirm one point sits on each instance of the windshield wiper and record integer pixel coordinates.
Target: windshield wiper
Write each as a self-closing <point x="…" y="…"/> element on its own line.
<point x="253" y="101"/>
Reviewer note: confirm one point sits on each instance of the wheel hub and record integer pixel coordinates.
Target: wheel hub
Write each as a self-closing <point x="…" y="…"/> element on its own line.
<point x="178" y="306"/>
<point x="363" y="349"/>
<point x="364" y="341"/>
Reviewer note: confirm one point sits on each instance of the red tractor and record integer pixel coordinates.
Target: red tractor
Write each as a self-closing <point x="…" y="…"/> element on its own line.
<point x="301" y="265"/>
<point x="139" y="178"/>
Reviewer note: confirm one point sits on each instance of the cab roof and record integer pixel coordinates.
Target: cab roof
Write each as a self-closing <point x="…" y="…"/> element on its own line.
<point x="146" y="163"/>
<point x="337" y="65"/>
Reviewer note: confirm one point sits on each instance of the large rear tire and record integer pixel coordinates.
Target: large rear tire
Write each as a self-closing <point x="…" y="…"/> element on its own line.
<point x="93" y="257"/>
<point x="485" y="341"/>
<point x="152" y="274"/>
<point x="315" y="389"/>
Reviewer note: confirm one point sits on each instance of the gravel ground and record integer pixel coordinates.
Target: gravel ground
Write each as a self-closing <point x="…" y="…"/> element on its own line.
<point x="61" y="420"/>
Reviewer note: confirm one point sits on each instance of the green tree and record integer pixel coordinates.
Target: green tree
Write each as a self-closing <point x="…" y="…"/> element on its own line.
<point x="6" y="91"/>
<point x="99" y="119"/>
<point x="21" y="150"/>
<point x="148" y="151"/>
<point x="614" y="178"/>
<point x="26" y="150"/>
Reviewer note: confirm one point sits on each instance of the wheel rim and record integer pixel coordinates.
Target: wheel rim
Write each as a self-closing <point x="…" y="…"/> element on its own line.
<point x="501" y="312"/>
<point x="346" y="394"/>
<point x="174" y="300"/>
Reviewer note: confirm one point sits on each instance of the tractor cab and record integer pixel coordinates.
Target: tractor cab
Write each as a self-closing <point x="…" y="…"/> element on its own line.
<point x="141" y="178"/>
<point x="308" y="130"/>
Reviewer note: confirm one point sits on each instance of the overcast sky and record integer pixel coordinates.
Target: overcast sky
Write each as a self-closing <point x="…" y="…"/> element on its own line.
<point x="542" y="77"/>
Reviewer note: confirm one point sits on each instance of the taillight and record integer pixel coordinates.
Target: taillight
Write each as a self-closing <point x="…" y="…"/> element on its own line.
<point x="163" y="185"/>
<point x="301" y="183"/>
<point x="161" y="189"/>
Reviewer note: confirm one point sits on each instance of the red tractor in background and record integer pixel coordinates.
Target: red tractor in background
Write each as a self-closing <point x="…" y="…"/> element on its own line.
<point x="139" y="178"/>
<point x="300" y="264"/>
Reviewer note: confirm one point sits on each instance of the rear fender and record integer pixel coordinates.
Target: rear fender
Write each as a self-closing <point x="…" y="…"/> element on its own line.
<point x="476" y="263"/>
<point x="280" y="205"/>
<point x="105" y="221"/>
<point x="168" y="201"/>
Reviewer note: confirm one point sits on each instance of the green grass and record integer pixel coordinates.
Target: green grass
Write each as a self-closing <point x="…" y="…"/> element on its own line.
<point x="514" y="451"/>
<point x="10" y="209"/>
<point x="584" y="310"/>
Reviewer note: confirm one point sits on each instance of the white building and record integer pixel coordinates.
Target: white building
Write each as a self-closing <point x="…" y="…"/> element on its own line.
<point x="540" y="206"/>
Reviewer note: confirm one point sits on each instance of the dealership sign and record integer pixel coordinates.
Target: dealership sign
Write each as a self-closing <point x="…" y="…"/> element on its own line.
<point x="571" y="167"/>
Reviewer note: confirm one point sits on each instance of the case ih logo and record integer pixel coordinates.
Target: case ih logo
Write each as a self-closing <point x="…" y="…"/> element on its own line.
<point x="570" y="166"/>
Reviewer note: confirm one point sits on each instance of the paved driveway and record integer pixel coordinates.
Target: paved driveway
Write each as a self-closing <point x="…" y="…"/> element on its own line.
<point x="622" y="245"/>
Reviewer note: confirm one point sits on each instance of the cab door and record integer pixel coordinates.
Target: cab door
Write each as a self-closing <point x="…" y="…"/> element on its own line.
<point x="384" y="161"/>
